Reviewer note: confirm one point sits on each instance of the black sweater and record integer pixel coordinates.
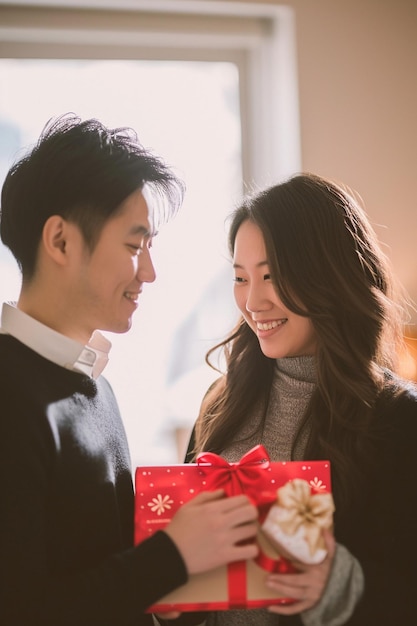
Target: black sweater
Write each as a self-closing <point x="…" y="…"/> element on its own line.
<point x="66" y="516"/>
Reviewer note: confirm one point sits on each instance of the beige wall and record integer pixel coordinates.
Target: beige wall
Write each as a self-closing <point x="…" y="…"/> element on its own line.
<point x="357" y="64"/>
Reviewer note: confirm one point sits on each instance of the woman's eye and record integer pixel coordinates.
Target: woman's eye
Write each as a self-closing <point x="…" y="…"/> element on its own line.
<point x="238" y="279"/>
<point x="267" y="276"/>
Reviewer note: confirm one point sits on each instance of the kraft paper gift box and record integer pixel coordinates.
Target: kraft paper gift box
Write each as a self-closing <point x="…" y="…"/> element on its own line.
<point x="294" y="502"/>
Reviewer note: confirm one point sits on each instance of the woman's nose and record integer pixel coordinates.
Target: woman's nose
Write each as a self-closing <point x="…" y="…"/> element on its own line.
<point x="257" y="300"/>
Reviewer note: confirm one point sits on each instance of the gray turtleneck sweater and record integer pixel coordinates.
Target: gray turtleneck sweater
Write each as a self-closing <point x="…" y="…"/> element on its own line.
<point x="293" y="385"/>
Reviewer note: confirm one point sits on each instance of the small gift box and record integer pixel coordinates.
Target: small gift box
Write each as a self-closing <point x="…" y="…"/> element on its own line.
<point x="295" y="522"/>
<point x="161" y="490"/>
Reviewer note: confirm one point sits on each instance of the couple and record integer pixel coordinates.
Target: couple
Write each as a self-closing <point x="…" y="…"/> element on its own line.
<point x="310" y="374"/>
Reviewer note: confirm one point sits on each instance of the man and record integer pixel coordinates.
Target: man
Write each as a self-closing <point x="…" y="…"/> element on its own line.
<point x="74" y="214"/>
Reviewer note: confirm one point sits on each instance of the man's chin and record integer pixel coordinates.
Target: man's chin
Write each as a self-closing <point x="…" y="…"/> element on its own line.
<point x="120" y="328"/>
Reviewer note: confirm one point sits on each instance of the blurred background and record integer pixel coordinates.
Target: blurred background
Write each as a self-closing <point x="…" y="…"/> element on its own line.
<point x="235" y="96"/>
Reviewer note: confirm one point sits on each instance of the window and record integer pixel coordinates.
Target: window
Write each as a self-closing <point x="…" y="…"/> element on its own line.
<point x="215" y="95"/>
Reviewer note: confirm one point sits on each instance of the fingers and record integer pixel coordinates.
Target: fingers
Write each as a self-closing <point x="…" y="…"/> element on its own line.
<point x="306" y="586"/>
<point x="238" y="510"/>
<point x="300" y="599"/>
<point x="242" y="552"/>
<point x="211" y="530"/>
<point x="233" y="511"/>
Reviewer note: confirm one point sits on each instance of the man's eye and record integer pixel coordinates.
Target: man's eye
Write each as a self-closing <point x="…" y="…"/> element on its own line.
<point x="135" y="248"/>
<point x="238" y="279"/>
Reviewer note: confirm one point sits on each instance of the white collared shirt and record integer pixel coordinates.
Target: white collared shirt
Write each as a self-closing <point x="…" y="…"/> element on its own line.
<point x="90" y="359"/>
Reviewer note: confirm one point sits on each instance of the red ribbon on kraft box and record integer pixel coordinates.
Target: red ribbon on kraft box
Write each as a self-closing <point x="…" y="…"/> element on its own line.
<point x="245" y="476"/>
<point x="161" y="490"/>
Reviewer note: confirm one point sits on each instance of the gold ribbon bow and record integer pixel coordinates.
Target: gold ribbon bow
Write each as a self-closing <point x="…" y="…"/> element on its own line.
<point x="314" y="511"/>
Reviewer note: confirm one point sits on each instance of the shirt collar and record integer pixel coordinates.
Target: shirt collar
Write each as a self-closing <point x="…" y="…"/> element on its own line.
<point x="90" y="359"/>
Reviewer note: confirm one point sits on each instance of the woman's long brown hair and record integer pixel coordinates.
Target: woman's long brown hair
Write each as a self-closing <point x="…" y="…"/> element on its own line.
<point x="326" y="264"/>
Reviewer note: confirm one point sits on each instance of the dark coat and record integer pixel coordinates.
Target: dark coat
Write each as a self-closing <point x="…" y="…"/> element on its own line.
<point x="380" y="527"/>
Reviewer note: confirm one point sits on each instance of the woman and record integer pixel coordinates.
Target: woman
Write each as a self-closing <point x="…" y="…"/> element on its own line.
<point x="310" y="374"/>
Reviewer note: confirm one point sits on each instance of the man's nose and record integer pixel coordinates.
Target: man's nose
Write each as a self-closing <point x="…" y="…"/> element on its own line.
<point x="146" y="270"/>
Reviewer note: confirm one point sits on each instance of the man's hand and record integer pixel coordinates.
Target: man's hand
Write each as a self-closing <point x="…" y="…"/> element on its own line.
<point x="208" y="530"/>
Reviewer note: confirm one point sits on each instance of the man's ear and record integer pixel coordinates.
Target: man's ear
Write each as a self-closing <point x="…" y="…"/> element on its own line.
<point x="54" y="238"/>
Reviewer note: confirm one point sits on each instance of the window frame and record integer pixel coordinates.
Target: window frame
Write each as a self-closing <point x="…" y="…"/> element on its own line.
<point x="258" y="38"/>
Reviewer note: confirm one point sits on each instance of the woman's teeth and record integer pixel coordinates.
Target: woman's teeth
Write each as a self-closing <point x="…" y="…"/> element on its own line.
<point x="269" y="325"/>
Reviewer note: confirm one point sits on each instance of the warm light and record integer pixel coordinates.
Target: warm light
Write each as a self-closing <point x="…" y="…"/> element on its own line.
<point x="408" y="360"/>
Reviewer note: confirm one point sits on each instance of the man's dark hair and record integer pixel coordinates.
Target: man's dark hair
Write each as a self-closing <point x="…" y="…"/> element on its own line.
<point x="82" y="171"/>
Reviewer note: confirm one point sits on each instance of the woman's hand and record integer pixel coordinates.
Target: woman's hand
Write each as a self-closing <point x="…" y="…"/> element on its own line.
<point x="306" y="586"/>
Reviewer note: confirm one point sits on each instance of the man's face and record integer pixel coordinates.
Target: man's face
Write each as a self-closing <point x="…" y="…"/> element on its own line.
<point x="109" y="280"/>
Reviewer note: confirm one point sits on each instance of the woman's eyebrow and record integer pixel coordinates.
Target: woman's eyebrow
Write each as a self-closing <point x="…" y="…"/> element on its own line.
<point x="241" y="267"/>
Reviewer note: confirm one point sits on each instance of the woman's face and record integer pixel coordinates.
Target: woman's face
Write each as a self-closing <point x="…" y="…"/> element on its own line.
<point x="280" y="332"/>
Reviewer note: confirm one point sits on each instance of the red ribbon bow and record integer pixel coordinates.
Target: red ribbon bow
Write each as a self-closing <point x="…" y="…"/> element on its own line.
<point x="245" y="476"/>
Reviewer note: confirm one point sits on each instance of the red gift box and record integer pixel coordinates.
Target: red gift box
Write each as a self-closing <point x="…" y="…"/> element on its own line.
<point x="161" y="490"/>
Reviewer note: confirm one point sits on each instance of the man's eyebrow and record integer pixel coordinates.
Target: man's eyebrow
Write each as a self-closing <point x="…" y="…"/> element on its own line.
<point x="140" y="230"/>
